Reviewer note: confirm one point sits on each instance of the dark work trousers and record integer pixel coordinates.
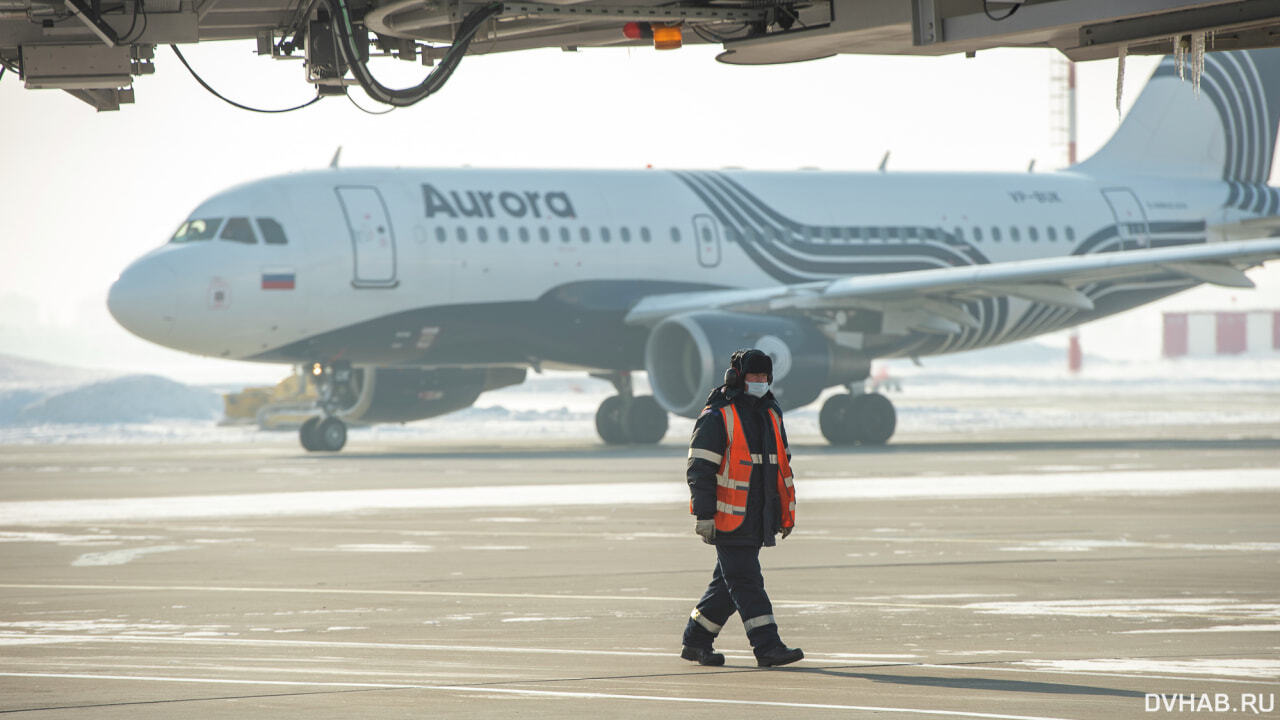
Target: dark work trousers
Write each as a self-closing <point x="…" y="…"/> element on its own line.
<point x="737" y="585"/>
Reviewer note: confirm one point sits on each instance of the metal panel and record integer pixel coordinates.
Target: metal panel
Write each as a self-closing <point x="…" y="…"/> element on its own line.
<point x="1229" y="335"/>
<point x="1258" y="333"/>
<point x="1175" y="335"/>
<point x="373" y="242"/>
<point x="706" y="236"/>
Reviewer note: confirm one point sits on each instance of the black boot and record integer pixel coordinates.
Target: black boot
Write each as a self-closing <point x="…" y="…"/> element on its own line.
<point x="779" y="655"/>
<point x="702" y="656"/>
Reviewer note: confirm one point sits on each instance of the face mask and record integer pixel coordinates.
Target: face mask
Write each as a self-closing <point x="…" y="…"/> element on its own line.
<point x="757" y="389"/>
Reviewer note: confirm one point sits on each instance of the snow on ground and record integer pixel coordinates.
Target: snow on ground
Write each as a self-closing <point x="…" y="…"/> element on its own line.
<point x="1024" y="386"/>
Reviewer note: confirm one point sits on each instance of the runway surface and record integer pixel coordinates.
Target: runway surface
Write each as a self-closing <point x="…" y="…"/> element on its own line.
<point x="1025" y="575"/>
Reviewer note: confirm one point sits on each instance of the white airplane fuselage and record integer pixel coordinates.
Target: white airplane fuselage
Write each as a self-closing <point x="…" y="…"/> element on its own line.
<point x="382" y="262"/>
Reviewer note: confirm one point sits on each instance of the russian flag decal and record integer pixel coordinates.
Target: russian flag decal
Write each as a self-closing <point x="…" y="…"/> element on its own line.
<point x="277" y="279"/>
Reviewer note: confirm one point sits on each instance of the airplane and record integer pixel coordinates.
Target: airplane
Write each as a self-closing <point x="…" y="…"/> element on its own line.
<point x="408" y="292"/>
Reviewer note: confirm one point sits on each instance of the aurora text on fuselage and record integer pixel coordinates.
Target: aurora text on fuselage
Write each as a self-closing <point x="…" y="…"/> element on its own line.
<point x="488" y="204"/>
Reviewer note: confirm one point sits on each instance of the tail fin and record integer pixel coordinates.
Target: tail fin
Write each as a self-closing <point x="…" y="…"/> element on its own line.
<point x="1227" y="133"/>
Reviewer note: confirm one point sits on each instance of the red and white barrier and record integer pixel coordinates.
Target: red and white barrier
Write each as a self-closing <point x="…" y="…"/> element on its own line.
<point x="1205" y="334"/>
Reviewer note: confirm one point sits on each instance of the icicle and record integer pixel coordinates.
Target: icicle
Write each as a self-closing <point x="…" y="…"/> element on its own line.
<point x="1120" y="55"/>
<point x="1197" y="59"/>
<point x="1180" y="57"/>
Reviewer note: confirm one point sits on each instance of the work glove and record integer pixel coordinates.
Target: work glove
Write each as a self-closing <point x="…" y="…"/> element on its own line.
<point x="787" y="531"/>
<point x="706" y="529"/>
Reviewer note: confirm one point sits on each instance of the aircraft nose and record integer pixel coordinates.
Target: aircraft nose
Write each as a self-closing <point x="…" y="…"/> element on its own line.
<point x="142" y="299"/>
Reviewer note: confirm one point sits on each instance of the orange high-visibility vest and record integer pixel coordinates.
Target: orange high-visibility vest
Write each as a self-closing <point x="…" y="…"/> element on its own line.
<point x="734" y="477"/>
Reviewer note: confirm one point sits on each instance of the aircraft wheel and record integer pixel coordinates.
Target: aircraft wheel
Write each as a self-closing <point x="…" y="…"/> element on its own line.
<point x="645" y="421"/>
<point x="873" y="418"/>
<point x="609" y="421"/>
<point x="331" y="434"/>
<point x="836" y="420"/>
<point x="307" y="434"/>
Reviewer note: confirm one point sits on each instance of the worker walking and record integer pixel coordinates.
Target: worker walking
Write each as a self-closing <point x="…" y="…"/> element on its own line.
<point x="739" y="475"/>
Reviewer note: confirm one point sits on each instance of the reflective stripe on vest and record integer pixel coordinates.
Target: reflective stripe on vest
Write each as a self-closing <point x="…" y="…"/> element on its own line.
<point x="786" y="484"/>
<point x="734" y="477"/>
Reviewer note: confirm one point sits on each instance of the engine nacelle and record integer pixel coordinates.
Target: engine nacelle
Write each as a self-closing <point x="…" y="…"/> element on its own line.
<point x="379" y="394"/>
<point x="686" y="356"/>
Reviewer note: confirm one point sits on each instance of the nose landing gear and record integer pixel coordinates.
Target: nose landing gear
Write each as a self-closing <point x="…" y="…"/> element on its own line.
<point x="327" y="432"/>
<point x="862" y="419"/>
<point x="625" y="418"/>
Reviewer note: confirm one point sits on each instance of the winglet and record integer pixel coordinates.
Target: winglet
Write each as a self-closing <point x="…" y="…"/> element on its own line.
<point x="884" y="161"/>
<point x="336" y="154"/>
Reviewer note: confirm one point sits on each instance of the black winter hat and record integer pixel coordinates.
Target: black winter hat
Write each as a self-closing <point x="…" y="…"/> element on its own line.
<point x="748" y="360"/>
<point x="756" y="361"/>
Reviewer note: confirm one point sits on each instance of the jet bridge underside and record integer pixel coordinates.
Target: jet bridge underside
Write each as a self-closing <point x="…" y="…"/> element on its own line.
<point x="94" y="49"/>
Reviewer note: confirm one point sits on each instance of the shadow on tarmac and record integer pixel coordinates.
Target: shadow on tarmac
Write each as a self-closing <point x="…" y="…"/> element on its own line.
<point x="587" y="452"/>
<point x="969" y="683"/>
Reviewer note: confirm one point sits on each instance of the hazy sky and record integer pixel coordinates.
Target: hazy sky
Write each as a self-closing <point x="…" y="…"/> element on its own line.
<point x="85" y="192"/>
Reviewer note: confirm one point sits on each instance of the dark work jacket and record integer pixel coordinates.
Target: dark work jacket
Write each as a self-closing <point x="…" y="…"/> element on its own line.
<point x="764" y="507"/>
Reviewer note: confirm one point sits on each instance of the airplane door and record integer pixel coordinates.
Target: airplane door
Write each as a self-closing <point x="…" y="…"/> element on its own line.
<point x="1131" y="219"/>
<point x="707" y="237"/>
<point x="372" y="241"/>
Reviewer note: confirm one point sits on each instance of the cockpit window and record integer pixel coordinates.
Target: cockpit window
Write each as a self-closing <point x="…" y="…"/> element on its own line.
<point x="239" y="230"/>
<point x="272" y="232"/>
<point x="197" y="229"/>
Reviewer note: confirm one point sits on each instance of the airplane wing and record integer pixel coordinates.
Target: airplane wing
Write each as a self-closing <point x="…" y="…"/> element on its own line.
<point x="942" y="293"/>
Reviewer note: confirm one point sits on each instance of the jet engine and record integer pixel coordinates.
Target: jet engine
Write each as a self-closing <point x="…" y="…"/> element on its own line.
<point x="686" y="356"/>
<point x="381" y="395"/>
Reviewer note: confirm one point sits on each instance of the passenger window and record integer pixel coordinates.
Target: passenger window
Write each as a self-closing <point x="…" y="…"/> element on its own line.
<point x="960" y="234"/>
<point x="462" y="234"/>
<point x="564" y="235"/>
<point x="1032" y="234"/>
<point x="1071" y="233"/>
<point x="503" y="236"/>
<point x="873" y="233"/>
<point x="1013" y="233"/>
<point x="625" y="234"/>
<point x="604" y="234"/>
<point x="891" y="233"/>
<point x="524" y="234"/>
<point x="272" y="232"/>
<point x="192" y="230"/>
<point x="239" y="230"/>
<point x="675" y="235"/>
<point x="855" y="233"/>
<point x="544" y="234"/>
<point x="482" y="235"/>
<point x="911" y="233"/>
<point x="586" y="235"/>
<point x="977" y="233"/>
<point x="441" y="235"/>
<point x="995" y="234"/>
<point x="1052" y="232"/>
<point x="644" y="235"/>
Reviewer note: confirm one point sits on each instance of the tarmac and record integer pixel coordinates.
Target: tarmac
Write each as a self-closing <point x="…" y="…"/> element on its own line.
<point x="1076" y="574"/>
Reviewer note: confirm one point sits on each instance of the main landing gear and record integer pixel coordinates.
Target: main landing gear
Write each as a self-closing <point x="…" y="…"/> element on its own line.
<point x="625" y="418"/>
<point x="327" y="432"/>
<point x="858" y="419"/>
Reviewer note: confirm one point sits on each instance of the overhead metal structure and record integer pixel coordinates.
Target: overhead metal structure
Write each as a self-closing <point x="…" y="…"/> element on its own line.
<point x="94" y="48"/>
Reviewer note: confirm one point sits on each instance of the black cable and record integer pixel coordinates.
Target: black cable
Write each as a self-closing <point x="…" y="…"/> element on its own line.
<point x="364" y="109"/>
<point x="134" y="23"/>
<point x="987" y="10"/>
<point x="219" y="95"/>
<point x="351" y="50"/>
